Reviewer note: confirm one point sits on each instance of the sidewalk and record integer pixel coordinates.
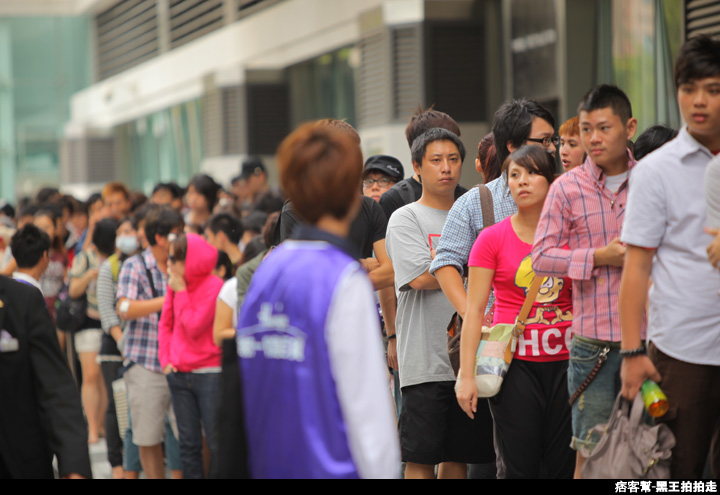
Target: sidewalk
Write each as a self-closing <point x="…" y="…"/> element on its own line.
<point x="98" y="459"/>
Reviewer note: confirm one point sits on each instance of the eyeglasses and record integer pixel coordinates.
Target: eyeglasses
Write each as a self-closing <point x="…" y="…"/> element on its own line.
<point x="382" y="182"/>
<point x="555" y="140"/>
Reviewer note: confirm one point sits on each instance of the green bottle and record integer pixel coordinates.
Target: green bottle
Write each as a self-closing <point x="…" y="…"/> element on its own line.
<point x="656" y="402"/>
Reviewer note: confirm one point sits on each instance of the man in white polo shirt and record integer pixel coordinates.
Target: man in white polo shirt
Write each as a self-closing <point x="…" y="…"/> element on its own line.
<point x="666" y="242"/>
<point x="712" y="198"/>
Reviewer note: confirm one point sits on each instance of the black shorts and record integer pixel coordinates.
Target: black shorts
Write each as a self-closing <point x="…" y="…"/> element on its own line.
<point x="434" y="429"/>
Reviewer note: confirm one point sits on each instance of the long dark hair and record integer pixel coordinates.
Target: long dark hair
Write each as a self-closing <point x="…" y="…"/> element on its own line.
<point x="207" y="187"/>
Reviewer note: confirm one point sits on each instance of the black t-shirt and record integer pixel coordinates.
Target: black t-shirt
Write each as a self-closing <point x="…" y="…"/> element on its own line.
<point x="405" y="192"/>
<point x="4" y="472"/>
<point x="367" y="228"/>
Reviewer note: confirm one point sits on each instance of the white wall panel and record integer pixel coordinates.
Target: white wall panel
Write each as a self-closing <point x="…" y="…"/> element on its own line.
<point x="276" y="37"/>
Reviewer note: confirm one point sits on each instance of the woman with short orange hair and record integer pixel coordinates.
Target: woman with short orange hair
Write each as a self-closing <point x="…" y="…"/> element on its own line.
<point x="572" y="153"/>
<point x="310" y="355"/>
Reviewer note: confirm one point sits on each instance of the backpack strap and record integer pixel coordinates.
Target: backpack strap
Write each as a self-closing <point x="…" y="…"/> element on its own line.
<point x="486" y="205"/>
<point x="407" y="193"/>
<point x="150" y="279"/>
<point x="149" y="275"/>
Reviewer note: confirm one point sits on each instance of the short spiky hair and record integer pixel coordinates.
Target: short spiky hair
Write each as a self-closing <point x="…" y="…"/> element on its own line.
<point x="698" y="58"/>
<point x="437" y="134"/>
<point x="607" y="96"/>
<point x="512" y="123"/>
<point x="161" y="220"/>
<point x="28" y="246"/>
<point x="230" y="225"/>
<point x="424" y="120"/>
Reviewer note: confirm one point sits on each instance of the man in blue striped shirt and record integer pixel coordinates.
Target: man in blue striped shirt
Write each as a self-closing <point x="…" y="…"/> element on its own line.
<point x="515" y="124"/>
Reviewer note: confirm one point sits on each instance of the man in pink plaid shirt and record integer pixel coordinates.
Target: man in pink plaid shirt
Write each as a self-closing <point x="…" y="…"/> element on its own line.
<point x="584" y="211"/>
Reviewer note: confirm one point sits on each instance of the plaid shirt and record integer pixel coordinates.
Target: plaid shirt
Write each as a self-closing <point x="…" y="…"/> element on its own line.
<point x="141" y="344"/>
<point x="464" y="223"/>
<point x="583" y="214"/>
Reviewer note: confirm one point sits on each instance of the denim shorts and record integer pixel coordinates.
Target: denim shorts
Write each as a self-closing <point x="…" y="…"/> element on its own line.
<point x="595" y="404"/>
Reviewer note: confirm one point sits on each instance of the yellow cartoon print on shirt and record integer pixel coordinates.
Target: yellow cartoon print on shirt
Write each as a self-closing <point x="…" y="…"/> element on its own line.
<point x="548" y="293"/>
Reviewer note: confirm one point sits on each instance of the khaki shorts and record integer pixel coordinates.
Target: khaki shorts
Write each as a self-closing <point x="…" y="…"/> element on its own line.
<point x="88" y="340"/>
<point x="149" y="398"/>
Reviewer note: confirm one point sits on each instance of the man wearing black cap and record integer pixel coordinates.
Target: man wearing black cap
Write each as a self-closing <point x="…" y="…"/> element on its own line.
<point x="380" y="173"/>
<point x="254" y="174"/>
<point x="253" y="185"/>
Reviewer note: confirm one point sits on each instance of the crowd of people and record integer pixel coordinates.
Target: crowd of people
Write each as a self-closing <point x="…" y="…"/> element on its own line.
<point x="303" y="331"/>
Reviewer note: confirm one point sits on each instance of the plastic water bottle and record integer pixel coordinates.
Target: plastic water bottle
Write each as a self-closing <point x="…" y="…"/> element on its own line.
<point x="656" y="402"/>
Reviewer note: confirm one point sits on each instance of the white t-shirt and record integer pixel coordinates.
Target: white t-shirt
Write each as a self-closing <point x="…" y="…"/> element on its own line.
<point x="615" y="181"/>
<point x="666" y="210"/>
<point x="228" y="294"/>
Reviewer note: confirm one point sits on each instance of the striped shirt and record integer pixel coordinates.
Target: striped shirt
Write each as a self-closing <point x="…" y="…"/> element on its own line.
<point x="106" y="288"/>
<point x="583" y="214"/>
<point x="141" y="344"/>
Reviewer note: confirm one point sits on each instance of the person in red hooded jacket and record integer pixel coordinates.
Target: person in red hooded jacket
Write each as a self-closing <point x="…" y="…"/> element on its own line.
<point x="189" y="358"/>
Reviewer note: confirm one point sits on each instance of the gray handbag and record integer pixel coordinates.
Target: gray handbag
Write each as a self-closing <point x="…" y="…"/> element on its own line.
<point x="629" y="448"/>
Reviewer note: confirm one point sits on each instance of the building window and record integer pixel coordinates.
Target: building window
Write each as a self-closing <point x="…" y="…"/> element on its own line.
<point x="646" y="36"/>
<point x="533" y="46"/>
<point x="161" y="147"/>
<point x="324" y="87"/>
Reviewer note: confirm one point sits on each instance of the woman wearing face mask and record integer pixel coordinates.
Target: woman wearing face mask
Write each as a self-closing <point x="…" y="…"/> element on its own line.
<point x="126" y="244"/>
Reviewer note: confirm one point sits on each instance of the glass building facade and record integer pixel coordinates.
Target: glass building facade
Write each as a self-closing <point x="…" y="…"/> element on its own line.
<point x="324" y="86"/>
<point x="161" y="147"/>
<point x="646" y="36"/>
<point x="43" y="62"/>
<point x="549" y="50"/>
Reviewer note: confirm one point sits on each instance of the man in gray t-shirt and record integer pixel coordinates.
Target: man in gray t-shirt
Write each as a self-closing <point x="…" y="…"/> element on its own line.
<point x="422" y="314"/>
<point x="433" y="428"/>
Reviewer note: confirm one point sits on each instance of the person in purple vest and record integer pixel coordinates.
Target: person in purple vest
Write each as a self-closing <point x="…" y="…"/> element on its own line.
<point x="310" y="352"/>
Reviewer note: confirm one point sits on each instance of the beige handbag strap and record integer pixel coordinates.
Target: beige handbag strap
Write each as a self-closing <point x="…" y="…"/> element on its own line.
<point x="527" y="305"/>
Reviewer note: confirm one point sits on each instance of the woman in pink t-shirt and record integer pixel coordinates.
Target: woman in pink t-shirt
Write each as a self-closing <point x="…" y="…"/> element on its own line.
<point x="531" y="412"/>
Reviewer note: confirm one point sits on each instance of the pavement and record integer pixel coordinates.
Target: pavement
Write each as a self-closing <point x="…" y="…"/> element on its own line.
<point x="98" y="459"/>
